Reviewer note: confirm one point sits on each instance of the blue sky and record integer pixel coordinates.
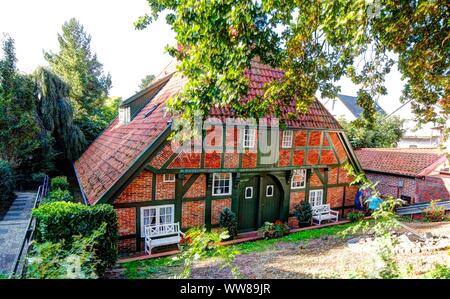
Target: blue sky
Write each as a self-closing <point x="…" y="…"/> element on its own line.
<point x="126" y="53"/>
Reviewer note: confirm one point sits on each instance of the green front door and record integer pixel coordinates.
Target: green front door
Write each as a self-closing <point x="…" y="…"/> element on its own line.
<point x="248" y="205"/>
<point x="271" y="199"/>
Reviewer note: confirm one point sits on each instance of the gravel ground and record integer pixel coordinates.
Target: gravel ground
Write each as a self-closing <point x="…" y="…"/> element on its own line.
<point x="326" y="257"/>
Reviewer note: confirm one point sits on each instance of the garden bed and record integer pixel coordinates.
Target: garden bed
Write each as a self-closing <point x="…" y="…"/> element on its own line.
<point x="319" y="253"/>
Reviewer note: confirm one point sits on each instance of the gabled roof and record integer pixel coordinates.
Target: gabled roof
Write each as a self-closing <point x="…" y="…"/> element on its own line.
<point x="355" y="109"/>
<point x="115" y="153"/>
<point x="401" y="161"/>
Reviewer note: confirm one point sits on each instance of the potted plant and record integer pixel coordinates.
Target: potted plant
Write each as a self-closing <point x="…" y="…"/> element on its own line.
<point x="303" y="213"/>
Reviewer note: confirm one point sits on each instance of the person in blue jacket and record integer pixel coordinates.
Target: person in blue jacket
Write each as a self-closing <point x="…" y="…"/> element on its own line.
<point x="359" y="200"/>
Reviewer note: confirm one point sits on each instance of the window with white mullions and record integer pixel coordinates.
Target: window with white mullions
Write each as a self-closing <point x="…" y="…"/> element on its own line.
<point x="221" y="184"/>
<point x="287" y="139"/>
<point x="298" y="179"/>
<point x="316" y="197"/>
<point x="249" y="137"/>
<point x="169" y="178"/>
<point x="156" y="215"/>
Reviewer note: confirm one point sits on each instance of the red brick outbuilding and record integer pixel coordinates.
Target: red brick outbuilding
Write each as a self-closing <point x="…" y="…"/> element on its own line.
<point x="415" y="174"/>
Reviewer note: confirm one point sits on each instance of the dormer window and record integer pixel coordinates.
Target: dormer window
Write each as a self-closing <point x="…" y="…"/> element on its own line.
<point x="124" y="115"/>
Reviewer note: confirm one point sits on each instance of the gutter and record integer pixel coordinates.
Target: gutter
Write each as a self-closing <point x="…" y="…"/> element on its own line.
<point x="83" y="195"/>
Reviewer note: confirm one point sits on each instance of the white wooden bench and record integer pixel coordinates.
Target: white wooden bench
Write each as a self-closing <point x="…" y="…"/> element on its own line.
<point x="160" y="235"/>
<point x="323" y="213"/>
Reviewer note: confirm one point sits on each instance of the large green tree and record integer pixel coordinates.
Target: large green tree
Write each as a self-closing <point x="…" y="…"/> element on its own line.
<point x="385" y="132"/>
<point x="316" y="43"/>
<point x="80" y="69"/>
<point x="18" y="129"/>
<point x="56" y="114"/>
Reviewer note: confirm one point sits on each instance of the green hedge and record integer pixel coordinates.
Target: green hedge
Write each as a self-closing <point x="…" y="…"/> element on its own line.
<point x="7" y="181"/>
<point x="59" y="221"/>
<point x="59" y="182"/>
<point x="58" y="195"/>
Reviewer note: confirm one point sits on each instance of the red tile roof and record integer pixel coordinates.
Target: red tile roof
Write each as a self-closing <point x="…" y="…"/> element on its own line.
<point x="402" y="161"/>
<point x="107" y="159"/>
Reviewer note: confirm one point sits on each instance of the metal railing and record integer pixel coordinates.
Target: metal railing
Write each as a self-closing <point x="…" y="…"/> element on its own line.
<point x="20" y="261"/>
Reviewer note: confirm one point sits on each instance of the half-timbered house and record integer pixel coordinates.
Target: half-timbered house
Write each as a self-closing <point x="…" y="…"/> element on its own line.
<point x="134" y="167"/>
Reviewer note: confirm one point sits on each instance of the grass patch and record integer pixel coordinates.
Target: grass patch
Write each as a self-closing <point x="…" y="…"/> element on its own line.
<point x="153" y="268"/>
<point x="261" y="245"/>
<point x="149" y="268"/>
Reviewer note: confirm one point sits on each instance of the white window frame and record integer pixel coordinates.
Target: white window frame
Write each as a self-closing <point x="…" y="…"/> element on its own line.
<point x="124" y="115"/>
<point x="216" y="177"/>
<point x="157" y="215"/>
<point x="251" y="194"/>
<point x="166" y="180"/>
<point x="316" y="197"/>
<point x="267" y="190"/>
<point x="298" y="172"/>
<point x="248" y="139"/>
<point x="288" y="136"/>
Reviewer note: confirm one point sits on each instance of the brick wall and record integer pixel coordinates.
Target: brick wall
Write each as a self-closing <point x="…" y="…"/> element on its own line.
<point x="127" y="221"/>
<point x="127" y="245"/>
<point x="231" y="160"/>
<point x="328" y="157"/>
<point x="299" y="158"/>
<point x="314" y="180"/>
<point x="313" y="157"/>
<point x="295" y="199"/>
<point x="300" y="138"/>
<point x="212" y="160"/>
<point x="333" y="175"/>
<point x="339" y="147"/>
<point x="335" y="196"/>
<point x="432" y="188"/>
<point x="139" y="190"/>
<point x="217" y="206"/>
<point x="164" y="190"/>
<point x="198" y="188"/>
<point x="350" y="193"/>
<point x="186" y="160"/>
<point x="193" y="213"/>
<point x="284" y="158"/>
<point x="388" y="185"/>
<point x="249" y="159"/>
<point x="314" y="138"/>
<point x="164" y="155"/>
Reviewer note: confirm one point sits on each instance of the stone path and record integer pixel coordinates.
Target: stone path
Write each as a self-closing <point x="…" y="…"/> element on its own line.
<point x="12" y="229"/>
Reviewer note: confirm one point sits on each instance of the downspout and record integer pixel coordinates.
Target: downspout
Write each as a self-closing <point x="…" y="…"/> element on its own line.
<point x="83" y="195"/>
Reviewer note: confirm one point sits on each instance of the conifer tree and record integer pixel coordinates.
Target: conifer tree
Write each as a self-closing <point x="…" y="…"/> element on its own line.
<point x="80" y="69"/>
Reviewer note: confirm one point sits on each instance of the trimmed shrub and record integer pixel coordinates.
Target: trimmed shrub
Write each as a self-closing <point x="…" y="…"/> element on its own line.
<point x="228" y="220"/>
<point x="355" y="216"/>
<point x="273" y="230"/>
<point x="58" y="195"/>
<point x="59" y="221"/>
<point x="7" y="181"/>
<point x="434" y="213"/>
<point x="59" y="182"/>
<point x="303" y="213"/>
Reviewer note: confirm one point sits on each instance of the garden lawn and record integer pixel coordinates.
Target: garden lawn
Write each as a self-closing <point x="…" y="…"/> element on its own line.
<point x="169" y="267"/>
<point x="318" y="253"/>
